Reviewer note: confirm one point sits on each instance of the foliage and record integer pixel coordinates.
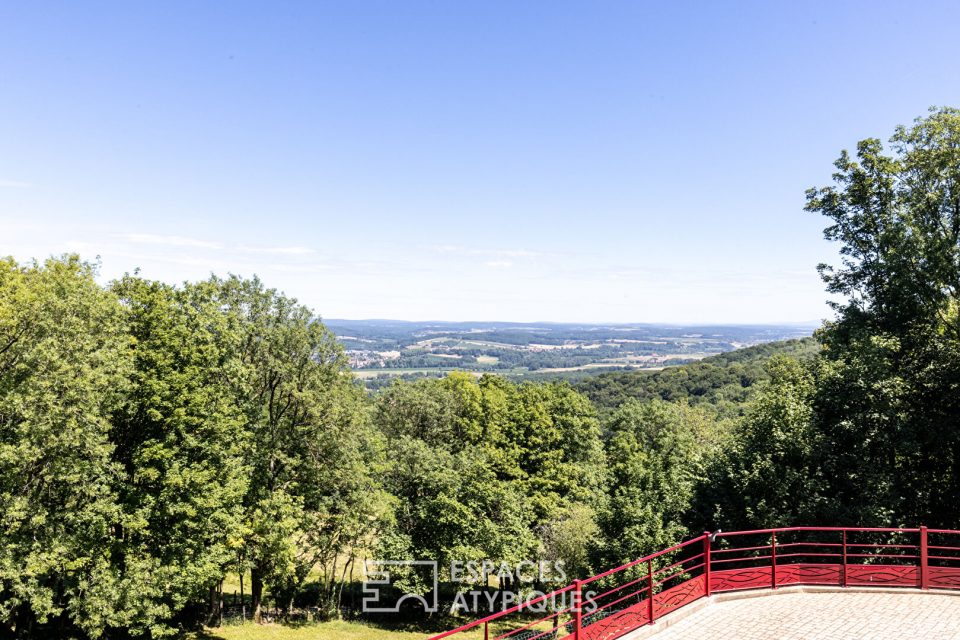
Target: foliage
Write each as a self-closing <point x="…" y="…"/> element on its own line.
<point x="490" y="470"/>
<point x="656" y="453"/>
<point x="310" y="495"/>
<point x="153" y="436"/>
<point x="63" y="360"/>
<point x="868" y="434"/>
<point x="887" y="398"/>
<point x="179" y="441"/>
<point x="769" y="474"/>
<point x="898" y="221"/>
<point x="561" y="454"/>
<point x="725" y="382"/>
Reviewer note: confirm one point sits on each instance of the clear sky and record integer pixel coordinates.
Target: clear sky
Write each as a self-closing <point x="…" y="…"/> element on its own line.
<point x="566" y="161"/>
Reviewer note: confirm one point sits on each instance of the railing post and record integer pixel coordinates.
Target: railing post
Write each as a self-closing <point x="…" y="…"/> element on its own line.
<point x="577" y="609"/>
<point x="843" y="569"/>
<point x="773" y="559"/>
<point x="706" y="563"/>
<point x="650" y="591"/>
<point x="924" y="560"/>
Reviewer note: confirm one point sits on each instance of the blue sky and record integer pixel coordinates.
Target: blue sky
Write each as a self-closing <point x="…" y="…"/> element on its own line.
<point x="567" y="161"/>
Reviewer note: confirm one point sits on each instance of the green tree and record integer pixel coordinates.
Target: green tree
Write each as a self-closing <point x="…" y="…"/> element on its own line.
<point x="869" y="434"/>
<point x="568" y="538"/>
<point x="489" y="470"/>
<point x="450" y="506"/>
<point x="558" y="435"/>
<point x="179" y="440"/>
<point x="445" y="413"/>
<point x="309" y="446"/>
<point x="656" y="452"/>
<point x="771" y="475"/>
<point x="897" y="218"/>
<point x="452" y="471"/>
<point x="888" y="398"/>
<point x="63" y="360"/>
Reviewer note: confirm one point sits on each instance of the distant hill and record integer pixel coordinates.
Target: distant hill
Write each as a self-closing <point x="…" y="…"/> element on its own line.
<point x="726" y="381"/>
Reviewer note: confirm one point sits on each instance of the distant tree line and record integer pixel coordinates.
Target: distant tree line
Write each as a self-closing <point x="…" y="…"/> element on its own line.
<point x="725" y="383"/>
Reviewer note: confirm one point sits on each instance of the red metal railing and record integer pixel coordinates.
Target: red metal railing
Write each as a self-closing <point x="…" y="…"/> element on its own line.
<point x="612" y="603"/>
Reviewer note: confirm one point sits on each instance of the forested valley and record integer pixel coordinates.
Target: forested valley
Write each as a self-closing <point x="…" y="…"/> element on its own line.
<point x="156" y="439"/>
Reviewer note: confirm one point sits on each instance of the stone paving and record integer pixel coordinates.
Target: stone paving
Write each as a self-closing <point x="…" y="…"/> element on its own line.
<point x="823" y="616"/>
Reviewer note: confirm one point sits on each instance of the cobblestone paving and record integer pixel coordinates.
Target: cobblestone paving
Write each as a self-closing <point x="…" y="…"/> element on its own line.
<point x="824" y="616"/>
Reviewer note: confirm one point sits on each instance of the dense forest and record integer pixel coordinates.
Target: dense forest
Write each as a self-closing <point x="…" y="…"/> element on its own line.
<point x="155" y="439"/>
<point x="725" y="382"/>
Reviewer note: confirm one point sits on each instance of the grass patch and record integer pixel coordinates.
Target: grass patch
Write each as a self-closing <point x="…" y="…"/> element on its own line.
<point x="335" y="630"/>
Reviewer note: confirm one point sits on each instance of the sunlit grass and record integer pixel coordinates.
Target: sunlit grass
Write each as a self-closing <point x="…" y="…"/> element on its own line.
<point x="335" y="630"/>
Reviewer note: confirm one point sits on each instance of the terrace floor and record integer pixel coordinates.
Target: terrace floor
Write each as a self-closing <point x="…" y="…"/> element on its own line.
<point x="819" y="615"/>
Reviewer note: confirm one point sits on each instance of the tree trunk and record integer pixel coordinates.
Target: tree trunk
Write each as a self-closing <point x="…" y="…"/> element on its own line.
<point x="25" y="622"/>
<point x="213" y="613"/>
<point x="243" y="599"/>
<point x="256" y="594"/>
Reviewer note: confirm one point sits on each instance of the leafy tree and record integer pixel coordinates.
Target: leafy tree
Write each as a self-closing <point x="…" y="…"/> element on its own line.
<point x="488" y="470"/>
<point x="870" y="434"/>
<point x="63" y="360"/>
<point x="179" y="440"/>
<point x="450" y="506"/>
<point x="444" y="413"/>
<point x="451" y="473"/>
<point x="656" y="452"/>
<point x="309" y="447"/>
<point x="562" y="459"/>
<point x="888" y="397"/>
<point x="771" y="473"/>
<point x="568" y="539"/>
<point x="897" y="218"/>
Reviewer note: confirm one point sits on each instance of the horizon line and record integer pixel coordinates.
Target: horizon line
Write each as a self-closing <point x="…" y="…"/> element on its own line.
<point x="792" y="323"/>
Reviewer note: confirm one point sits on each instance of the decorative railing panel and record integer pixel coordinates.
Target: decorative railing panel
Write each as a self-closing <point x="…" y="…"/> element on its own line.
<point x="613" y="603"/>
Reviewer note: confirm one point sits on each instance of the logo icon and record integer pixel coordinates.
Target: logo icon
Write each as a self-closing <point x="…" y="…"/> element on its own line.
<point x="379" y="587"/>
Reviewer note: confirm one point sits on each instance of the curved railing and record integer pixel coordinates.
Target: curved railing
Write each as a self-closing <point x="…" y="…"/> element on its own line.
<point x="610" y="604"/>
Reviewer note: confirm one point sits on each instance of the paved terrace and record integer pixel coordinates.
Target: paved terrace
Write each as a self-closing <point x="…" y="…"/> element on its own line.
<point x="853" y="614"/>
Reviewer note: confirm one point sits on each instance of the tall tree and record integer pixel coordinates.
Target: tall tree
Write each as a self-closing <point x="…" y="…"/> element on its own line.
<point x="897" y="218"/>
<point x="309" y="446"/>
<point x="63" y="360"/>
<point x="889" y="397"/>
<point x="179" y="440"/>
<point x="870" y="433"/>
<point x="558" y="434"/>
<point x="656" y="452"/>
